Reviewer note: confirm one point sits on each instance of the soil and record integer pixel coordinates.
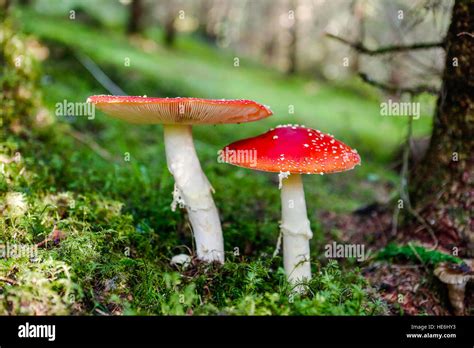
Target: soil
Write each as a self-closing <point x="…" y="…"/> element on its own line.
<point x="407" y="288"/>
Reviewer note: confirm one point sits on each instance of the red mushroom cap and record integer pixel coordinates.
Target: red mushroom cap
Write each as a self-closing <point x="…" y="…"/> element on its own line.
<point x="180" y="110"/>
<point x="295" y="149"/>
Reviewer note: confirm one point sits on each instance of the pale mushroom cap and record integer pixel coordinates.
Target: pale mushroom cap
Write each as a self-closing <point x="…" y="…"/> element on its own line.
<point x="183" y="111"/>
<point x="450" y="275"/>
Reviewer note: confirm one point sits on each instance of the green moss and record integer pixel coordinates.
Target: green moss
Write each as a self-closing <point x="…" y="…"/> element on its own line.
<point x="119" y="230"/>
<point x="18" y="78"/>
<point x="42" y="287"/>
<point x="415" y="253"/>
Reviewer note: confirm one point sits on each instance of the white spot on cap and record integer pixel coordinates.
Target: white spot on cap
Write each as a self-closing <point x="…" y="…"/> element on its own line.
<point x="281" y="176"/>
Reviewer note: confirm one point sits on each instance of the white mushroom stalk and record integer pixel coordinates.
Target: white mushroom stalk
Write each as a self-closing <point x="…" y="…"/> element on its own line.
<point x="195" y="192"/>
<point x="296" y="231"/>
<point x="192" y="189"/>
<point x="293" y="150"/>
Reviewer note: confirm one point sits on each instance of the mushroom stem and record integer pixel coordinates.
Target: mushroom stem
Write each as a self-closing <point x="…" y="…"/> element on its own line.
<point x="296" y="230"/>
<point x="456" y="297"/>
<point x="194" y="191"/>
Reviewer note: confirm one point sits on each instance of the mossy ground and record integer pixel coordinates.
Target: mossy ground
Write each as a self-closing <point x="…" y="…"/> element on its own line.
<point x="118" y="232"/>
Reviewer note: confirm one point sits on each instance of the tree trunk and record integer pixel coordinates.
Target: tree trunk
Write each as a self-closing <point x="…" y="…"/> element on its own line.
<point x="170" y="32"/>
<point x="135" y="17"/>
<point x="4" y="7"/>
<point x="204" y="17"/>
<point x="293" y="44"/>
<point x="443" y="189"/>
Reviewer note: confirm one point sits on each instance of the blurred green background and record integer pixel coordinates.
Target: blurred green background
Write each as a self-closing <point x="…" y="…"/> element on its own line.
<point x="211" y="49"/>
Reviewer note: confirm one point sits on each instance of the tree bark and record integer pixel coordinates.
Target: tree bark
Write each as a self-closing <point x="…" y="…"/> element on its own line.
<point x="170" y="32"/>
<point x="442" y="184"/>
<point x="293" y="44"/>
<point x="135" y="17"/>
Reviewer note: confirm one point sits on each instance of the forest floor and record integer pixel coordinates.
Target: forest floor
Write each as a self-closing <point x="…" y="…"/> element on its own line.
<point x="99" y="190"/>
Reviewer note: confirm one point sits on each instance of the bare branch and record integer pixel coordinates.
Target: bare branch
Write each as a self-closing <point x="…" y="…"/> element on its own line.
<point x="359" y="47"/>
<point x="394" y="89"/>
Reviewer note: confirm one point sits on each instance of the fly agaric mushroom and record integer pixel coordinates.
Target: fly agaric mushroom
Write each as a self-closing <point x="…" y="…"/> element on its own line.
<point x="456" y="277"/>
<point x="292" y="150"/>
<point x="192" y="189"/>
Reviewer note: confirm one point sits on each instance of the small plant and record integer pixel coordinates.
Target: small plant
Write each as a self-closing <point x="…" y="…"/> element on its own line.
<point x="415" y="253"/>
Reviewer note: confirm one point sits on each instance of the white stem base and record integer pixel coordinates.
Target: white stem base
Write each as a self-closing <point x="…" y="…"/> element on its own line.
<point x="195" y="192"/>
<point x="296" y="231"/>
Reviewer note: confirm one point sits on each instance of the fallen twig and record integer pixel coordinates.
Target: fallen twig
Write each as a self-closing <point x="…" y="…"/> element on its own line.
<point x="8" y="280"/>
<point x="465" y="33"/>
<point x="54" y="237"/>
<point x="418" y="256"/>
<point x="101" y="312"/>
